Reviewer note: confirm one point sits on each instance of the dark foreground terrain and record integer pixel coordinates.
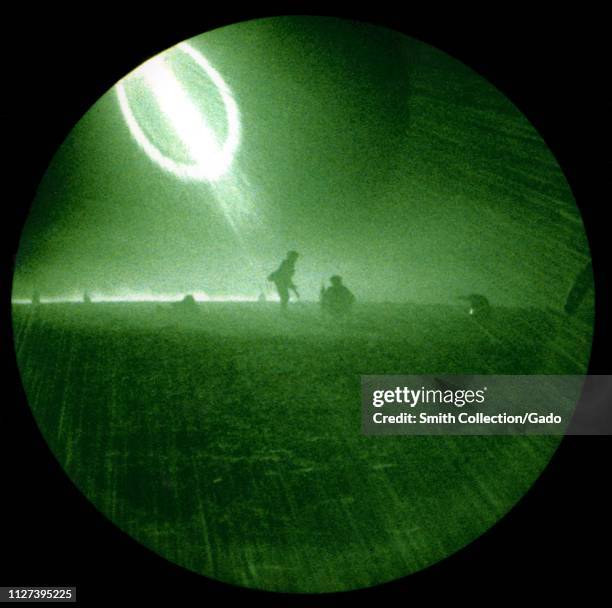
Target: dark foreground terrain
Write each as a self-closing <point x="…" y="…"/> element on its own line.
<point x="227" y="438"/>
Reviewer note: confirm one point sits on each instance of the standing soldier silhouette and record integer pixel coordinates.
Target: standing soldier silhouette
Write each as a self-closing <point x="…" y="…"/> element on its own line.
<point x="282" y="277"/>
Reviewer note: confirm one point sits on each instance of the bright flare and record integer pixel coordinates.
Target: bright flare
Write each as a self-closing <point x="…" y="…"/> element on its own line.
<point x="210" y="158"/>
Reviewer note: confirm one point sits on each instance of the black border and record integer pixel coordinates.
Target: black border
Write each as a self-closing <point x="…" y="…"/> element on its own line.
<point x="554" y="69"/>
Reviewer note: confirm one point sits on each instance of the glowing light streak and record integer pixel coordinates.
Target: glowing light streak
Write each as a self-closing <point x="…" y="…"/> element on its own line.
<point x="211" y="160"/>
<point x="199" y="296"/>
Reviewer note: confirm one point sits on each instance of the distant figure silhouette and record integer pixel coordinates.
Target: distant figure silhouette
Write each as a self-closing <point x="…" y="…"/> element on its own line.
<point x="36" y="298"/>
<point x="282" y="277"/>
<point x="261" y="297"/>
<point x="189" y="301"/>
<point x="479" y="304"/>
<point x="187" y="305"/>
<point x="336" y="300"/>
<point x="582" y="284"/>
<point x="86" y="298"/>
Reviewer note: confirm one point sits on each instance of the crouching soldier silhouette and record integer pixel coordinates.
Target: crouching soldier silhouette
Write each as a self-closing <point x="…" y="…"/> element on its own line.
<point x="282" y="278"/>
<point x="336" y="300"/>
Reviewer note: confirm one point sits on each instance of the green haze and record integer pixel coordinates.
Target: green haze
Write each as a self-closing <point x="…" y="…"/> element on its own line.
<point x="226" y="435"/>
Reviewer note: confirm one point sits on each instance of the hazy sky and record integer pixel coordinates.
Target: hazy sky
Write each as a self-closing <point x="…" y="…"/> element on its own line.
<point x="375" y="156"/>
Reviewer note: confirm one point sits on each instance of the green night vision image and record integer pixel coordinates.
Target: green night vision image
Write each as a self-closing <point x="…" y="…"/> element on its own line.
<point x="231" y="237"/>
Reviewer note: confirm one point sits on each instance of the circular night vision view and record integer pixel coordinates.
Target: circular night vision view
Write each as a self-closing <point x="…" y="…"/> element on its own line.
<point x="235" y="233"/>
